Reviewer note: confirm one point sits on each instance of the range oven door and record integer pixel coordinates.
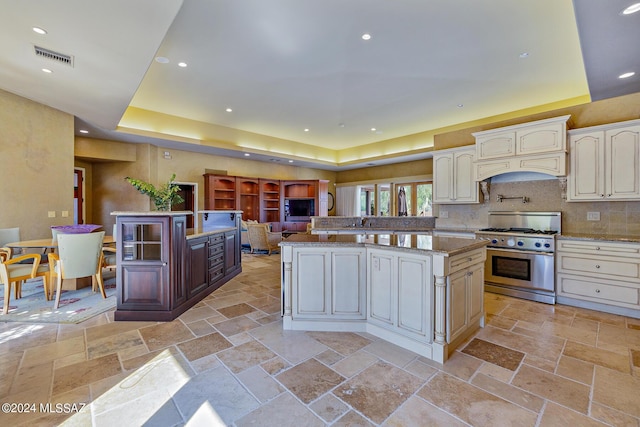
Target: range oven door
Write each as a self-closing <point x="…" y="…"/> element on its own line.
<point x="522" y="269"/>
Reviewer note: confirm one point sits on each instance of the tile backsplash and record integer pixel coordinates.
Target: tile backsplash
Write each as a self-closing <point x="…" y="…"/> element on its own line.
<point x="621" y="218"/>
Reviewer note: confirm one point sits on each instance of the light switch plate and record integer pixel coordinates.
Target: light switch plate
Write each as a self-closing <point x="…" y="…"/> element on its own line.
<point x="64" y="214"/>
<point x="593" y="216"/>
<point x="52" y="214"/>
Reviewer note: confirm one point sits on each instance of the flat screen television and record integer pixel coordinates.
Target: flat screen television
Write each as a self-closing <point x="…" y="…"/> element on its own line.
<point x="300" y="207"/>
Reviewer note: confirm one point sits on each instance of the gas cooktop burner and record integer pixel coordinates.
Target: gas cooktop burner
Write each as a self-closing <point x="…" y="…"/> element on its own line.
<point x="519" y="230"/>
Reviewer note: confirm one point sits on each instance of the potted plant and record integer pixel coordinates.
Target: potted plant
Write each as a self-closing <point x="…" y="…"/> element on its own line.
<point x="163" y="197"/>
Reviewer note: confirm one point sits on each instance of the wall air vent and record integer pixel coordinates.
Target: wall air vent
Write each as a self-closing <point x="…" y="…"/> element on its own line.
<point x="54" y="56"/>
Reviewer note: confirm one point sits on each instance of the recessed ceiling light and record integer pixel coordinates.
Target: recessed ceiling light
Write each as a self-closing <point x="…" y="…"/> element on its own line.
<point x="631" y="9"/>
<point x="39" y="30"/>
<point x="182" y="64"/>
<point x="460" y="105"/>
<point x="373" y="129"/>
<point x="228" y="110"/>
<point x="341" y="125"/>
<point x="84" y="131"/>
<point x="162" y="60"/>
<point x="306" y="129"/>
<point x="290" y="161"/>
<point x="247" y="154"/>
<point x="46" y="70"/>
<point x="524" y="55"/>
<point x="366" y="36"/>
<point x="625" y="75"/>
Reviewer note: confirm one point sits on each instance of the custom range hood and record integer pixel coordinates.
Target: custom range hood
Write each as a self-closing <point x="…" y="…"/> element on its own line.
<point x="539" y="146"/>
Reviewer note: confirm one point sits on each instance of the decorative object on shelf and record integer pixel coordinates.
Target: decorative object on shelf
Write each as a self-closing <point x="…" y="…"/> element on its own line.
<point x="163" y="197"/>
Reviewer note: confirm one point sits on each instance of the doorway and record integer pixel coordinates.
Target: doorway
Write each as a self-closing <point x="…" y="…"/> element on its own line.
<point x="189" y="193"/>
<point x="78" y="196"/>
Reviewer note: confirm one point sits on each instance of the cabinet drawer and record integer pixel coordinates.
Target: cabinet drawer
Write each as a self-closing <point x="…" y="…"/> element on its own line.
<point x="216" y="249"/>
<point x="602" y="291"/>
<point x="599" y="248"/>
<point x="216" y="274"/>
<point x="216" y="238"/>
<point x="614" y="267"/>
<point x="215" y="260"/>
<point x="460" y="262"/>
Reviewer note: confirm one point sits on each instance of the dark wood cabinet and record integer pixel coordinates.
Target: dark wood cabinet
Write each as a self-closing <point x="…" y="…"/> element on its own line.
<point x="248" y="197"/>
<point x="161" y="272"/>
<point x="197" y="262"/>
<point x="219" y="192"/>
<point x="270" y="203"/>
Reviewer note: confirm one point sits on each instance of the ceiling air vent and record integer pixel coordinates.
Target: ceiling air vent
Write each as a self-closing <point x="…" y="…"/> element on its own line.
<point x="54" y="56"/>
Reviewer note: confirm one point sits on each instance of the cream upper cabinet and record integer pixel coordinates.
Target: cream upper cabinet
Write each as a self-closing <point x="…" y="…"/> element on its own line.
<point x="453" y="176"/>
<point x="540" y="137"/>
<point x="539" y="146"/>
<point x="605" y="162"/>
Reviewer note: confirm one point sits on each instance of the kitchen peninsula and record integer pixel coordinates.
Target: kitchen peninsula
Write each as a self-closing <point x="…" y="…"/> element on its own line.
<point x="164" y="268"/>
<point x="419" y="291"/>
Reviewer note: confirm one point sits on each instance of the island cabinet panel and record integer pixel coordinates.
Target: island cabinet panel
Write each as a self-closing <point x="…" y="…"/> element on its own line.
<point x="197" y="263"/>
<point x="162" y="272"/>
<point x="400" y="293"/>
<point x="329" y="284"/>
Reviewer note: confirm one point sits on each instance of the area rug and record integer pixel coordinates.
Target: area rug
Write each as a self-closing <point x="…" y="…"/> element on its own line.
<point x="75" y="306"/>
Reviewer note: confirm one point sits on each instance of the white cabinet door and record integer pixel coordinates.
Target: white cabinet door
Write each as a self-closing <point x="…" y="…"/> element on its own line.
<point x="465" y="299"/>
<point x="382" y="284"/>
<point x="329" y="283"/>
<point x="415" y="283"/>
<point x="453" y="177"/>
<point x="605" y="163"/>
<point x="622" y="152"/>
<point x="586" y="177"/>
<point x="348" y="283"/>
<point x="400" y="293"/>
<point x="311" y="277"/>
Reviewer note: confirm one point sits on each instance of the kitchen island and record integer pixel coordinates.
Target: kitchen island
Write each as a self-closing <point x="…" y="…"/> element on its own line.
<point x="421" y="292"/>
<point x="164" y="268"/>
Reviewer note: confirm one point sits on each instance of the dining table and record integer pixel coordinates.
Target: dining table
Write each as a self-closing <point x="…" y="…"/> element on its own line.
<point x="50" y="245"/>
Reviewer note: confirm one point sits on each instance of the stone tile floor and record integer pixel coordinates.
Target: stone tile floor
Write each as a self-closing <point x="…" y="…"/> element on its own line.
<point x="227" y="361"/>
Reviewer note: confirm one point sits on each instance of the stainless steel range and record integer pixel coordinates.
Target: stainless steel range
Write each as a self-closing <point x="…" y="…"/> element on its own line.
<point x="521" y="254"/>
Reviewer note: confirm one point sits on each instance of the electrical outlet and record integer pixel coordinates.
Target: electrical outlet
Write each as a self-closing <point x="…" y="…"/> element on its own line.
<point x="444" y="214"/>
<point x="52" y="214"/>
<point x="64" y="214"/>
<point x="593" y="216"/>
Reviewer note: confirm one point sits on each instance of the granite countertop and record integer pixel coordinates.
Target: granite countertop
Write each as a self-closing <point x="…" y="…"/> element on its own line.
<point x="151" y="213"/>
<point x="193" y="233"/>
<point x="414" y="242"/>
<point x="600" y="237"/>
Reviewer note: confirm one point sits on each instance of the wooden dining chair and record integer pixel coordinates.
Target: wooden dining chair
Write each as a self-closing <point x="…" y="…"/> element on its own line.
<point x="79" y="255"/>
<point x="13" y="271"/>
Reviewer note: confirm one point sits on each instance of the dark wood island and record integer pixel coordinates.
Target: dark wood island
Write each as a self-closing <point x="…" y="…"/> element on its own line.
<point x="163" y="268"/>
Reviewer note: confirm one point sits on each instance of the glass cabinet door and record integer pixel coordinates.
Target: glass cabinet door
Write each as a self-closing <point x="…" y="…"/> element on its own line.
<point x="142" y="241"/>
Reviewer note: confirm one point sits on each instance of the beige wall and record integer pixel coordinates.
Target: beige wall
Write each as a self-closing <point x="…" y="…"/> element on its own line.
<point x="387" y="172"/>
<point x="112" y="193"/>
<point x="36" y="164"/>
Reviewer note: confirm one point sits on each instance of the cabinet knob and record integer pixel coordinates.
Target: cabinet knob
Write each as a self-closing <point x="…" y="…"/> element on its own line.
<point x="608" y="195"/>
<point x="602" y="196"/>
<point x="597" y="291"/>
<point x="597" y="265"/>
<point x="597" y="248"/>
<point x="469" y="259"/>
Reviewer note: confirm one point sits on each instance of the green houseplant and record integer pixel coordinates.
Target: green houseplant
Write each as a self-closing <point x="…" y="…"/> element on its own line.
<point x="163" y="197"/>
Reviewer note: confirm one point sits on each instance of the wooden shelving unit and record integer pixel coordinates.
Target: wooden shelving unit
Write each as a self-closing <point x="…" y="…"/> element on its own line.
<point x="248" y="197"/>
<point x="219" y="192"/>
<point x="268" y="200"/>
<point x="270" y="203"/>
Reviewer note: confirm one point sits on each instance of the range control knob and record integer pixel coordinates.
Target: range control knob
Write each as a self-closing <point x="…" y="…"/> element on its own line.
<point x="520" y="243"/>
<point x="537" y="244"/>
<point x="511" y="242"/>
<point x="547" y="245"/>
<point x="494" y="241"/>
